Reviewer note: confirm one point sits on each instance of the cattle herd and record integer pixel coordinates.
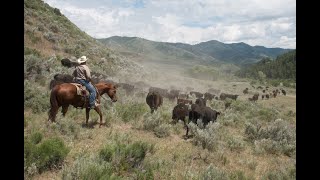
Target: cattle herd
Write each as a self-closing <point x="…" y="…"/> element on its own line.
<point x="189" y="103"/>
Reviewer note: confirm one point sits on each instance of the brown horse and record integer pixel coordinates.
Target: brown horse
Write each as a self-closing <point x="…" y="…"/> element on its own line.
<point x="66" y="94"/>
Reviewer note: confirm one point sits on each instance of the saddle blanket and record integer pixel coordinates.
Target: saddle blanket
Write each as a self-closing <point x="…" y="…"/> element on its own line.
<point x="81" y="90"/>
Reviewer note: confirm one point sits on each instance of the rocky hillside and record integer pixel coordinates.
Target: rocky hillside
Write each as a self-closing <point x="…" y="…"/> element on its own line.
<point x="49" y="36"/>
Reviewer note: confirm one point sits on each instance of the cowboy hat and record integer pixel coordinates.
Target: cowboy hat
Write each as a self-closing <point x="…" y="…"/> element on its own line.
<point x="82" y="59"/>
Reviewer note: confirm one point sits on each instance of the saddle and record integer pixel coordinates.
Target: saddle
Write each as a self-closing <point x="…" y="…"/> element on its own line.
<point x="81" y="90"/>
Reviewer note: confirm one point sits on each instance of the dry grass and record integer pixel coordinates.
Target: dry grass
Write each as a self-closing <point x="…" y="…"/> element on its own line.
<point x="180" y="159"/>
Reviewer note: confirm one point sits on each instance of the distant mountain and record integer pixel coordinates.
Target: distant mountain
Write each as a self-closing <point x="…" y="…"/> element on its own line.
<point x="238" y="53"/>
<point x="210" y="52"/>
<point x="146" y="50"/>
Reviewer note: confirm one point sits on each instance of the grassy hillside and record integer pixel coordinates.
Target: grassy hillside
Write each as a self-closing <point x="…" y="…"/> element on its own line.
<point x="248" y="141"/>
<point x="49" y="36"/>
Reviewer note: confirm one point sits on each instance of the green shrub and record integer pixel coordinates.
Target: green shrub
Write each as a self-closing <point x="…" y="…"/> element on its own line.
<point x="131" y="111"/>
<point x="35" y="98"/>
<point x="51" y="153"/>
<point x="146" y="175"/>
<point x="277" y="137"/>
<point x="239" y="175"/>
<point x="29" y="51"/>
<point x="125" y="156"/>
<point x="214" y="173"/>
<point x="162" y="131"/>
<point x="29" y="150"/>
<point x="36" y="137"/>
<point x="44" y="156"/>
<point x="107" y="153"/>
<point x="208" y="138"/>
<point x="151" y="121"/>
<point x="88" y="168"/>
<point x="280" y="173"/>
<point x="235" y="144"/>
<point x="34" y="39"/>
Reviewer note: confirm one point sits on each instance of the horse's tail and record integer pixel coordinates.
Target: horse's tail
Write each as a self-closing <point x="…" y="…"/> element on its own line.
<point x="53" y="98"/>
<point x="53" y="103"/>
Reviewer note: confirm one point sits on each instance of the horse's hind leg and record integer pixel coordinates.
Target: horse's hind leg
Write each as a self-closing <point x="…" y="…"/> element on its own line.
<point x="97" y="109"/>
<point x="52" y="113"/>
<point x="64" y="110"/>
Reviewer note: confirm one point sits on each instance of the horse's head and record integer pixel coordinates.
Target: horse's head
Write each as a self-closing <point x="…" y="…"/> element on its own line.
<point x="108" y="88"/>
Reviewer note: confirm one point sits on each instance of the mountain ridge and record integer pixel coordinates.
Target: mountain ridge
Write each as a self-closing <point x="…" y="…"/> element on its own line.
<point x="211" y="51"/>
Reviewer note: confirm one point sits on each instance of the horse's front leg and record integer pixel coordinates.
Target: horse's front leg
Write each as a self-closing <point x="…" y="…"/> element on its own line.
<point x="97" y="109"/>
<point x="87" y="115"/>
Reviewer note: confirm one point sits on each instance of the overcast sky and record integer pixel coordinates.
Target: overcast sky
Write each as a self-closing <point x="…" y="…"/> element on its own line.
<point x="269" y="23"/>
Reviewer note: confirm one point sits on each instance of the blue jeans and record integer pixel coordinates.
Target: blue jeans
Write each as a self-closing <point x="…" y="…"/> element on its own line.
<point x="91" y="89"/>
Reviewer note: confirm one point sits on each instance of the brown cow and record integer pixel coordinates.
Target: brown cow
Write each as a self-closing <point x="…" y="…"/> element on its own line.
<point x="255" y="97"/>
<point x="154" y="100"/>
<point x="246" y="91"/>
<point x="184" y="101"/>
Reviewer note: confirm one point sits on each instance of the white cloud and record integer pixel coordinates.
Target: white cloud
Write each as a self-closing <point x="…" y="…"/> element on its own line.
<point x="268" y="23"/>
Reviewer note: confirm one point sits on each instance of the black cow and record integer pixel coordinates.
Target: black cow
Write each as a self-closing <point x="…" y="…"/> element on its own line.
<point x="201" y="102"/>
<point x="162" y="92"/>
<point x="67" y="78"/>
<point x="154" y="100"/>
<point x="68" y="63"/>
<point x="283" y="92"/>
<point x="208" y="96"/>
<point x="206" y="114"/>
<point x="267" y="96"/>
<point x="54" y="82"/>
<point x="59" y="79"/>
<point x="180" y="112"/>
<point x="209" y="115"/>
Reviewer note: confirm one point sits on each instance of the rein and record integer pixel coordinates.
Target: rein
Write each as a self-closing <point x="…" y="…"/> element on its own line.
<point x="99" y="93"/>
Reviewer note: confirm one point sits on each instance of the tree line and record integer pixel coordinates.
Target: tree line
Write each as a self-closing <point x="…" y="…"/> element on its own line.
<point x="283" y="67"/>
